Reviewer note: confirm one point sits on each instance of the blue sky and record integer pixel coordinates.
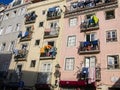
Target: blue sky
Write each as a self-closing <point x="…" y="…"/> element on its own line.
<point x="5" y="2"/>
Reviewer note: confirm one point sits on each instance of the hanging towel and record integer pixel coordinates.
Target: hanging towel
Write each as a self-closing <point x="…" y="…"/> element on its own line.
<point x="91" y="75"/>
<point x="23" y="34"/>
<point x="20" y="34"/>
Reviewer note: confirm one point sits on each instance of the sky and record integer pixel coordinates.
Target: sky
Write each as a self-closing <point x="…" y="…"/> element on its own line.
<point x="5" y="2"/>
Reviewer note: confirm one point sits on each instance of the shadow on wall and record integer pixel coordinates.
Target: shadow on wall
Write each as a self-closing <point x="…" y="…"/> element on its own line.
<point x="116" y="85"/>
<point x="26" y="80"/>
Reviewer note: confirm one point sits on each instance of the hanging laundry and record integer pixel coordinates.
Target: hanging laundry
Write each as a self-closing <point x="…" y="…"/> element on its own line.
<point x="20" y="34"/>
<point x="42" y="50"/>
<point x="26" y="33"/>
<point x="91" y="76"/>
<point x="95" y="18"/>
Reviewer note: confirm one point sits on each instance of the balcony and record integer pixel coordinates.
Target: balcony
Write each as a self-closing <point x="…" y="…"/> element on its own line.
<point x="90" y="74"/>
<point x="30" y="18"/>
<point x="90" y="24"/>
<point x="51" y="33"/>
<point x="54" y="13"/>
<point x="89" y="47"/>
<point x="89" y="6"/>
<point x="25" y="36"/>
<point x="48" y="52"/>
<point x="21" y="55"/>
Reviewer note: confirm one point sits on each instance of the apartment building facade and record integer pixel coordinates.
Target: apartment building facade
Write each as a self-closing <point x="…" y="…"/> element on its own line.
<point x="10" y="25"/>
<point x="90" y="40"/>
<point x="36" y="58"/>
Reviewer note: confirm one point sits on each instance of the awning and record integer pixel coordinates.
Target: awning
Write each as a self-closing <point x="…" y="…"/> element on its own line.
<point x="81" y="83"/>
<point x="72" y="83"/>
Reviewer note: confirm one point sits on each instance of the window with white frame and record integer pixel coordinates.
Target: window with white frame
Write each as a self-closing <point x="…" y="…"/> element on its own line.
<point x="8" y="29"/>
<point x="1" y="30"/>
<point x="111" y="36"/>
<point x="46" y="67"/>
<point x="69" y="64"/>
<point x="71" y="41"/>
<point x="12" y="45"/>
<point x="90" y="61"/>
<point x="90" y="36"/>
<point x="53" y="25"/>
<point x="73" y="22"/>
<point x="113" y="61"/>
<point x="3" y="45"/>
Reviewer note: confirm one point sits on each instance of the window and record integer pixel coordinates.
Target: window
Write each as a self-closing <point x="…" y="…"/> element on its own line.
<point x="9" y="29"/>
<point x="22" y="11"/>
<point x="37" y="42"/>
<point x="12" y="45"/>
<point x="73" y="6"/>
<point x="89" y="16"/>
<point x="24" y="46"/>
<point x="53" y="25"/>
<point x="90" y="36"/>
<point x="90" y="61"/>
<point x="2" y="48"/>
<point x="41" y="24"/>
<point x="28" y="28"/>
<point x="113" y="62"/>
<point x="33" y="62"/>
<point x="73" y="22"/>
<point x="19" y="69"/>
<point x="71" y="41"/>
<point x="110" y="14"/>
<point x="1" y="30"/>
<point x="111" y="36"/>
<point x="69" y="64"/>
<point x="43" y="12"/>
<point x="51" y="43"/>
<point x="18" y="25"/>
<point x="46" y="67"/>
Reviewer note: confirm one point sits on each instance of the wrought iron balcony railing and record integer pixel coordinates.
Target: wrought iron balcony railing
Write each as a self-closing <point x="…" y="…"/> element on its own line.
<point x="89" y="6"/>
<point x="30" y="17"/>
<point x="48" y="52"/>
<point x="20" y="55"/>
<point x="89" y="47"/>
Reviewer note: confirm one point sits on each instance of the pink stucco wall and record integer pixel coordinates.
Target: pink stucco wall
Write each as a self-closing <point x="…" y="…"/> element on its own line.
<point x="106" y="48"/>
